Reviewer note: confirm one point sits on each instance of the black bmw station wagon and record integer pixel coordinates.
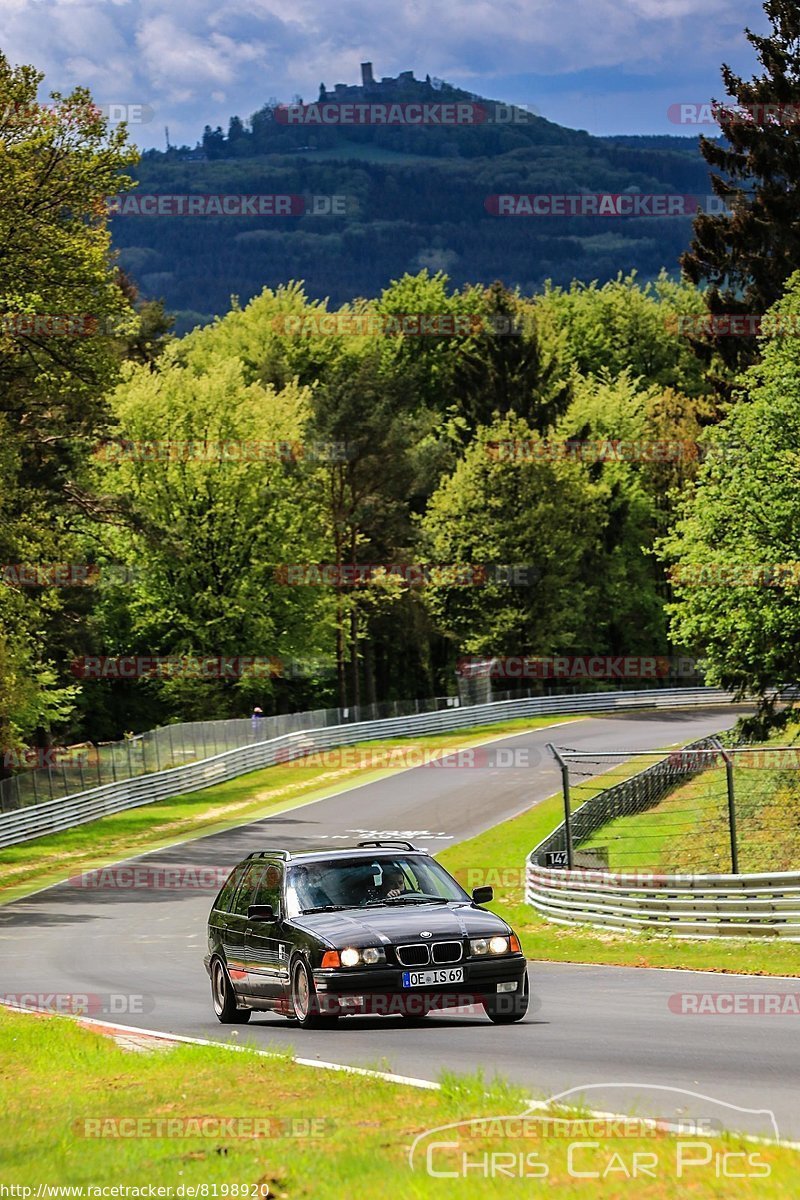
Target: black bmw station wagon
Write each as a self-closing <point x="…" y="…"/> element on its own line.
<point x="377" y="928"/>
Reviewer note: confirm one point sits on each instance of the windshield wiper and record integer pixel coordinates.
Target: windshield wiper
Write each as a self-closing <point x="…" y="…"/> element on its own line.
<point x="326" y="908"/>
<point x="410" y="899"/>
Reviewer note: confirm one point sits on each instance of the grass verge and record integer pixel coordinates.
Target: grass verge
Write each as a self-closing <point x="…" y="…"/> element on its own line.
<point x="36" y="864"/>
<point x="689" y="829"/>
<point x="66" y="1091"/>
<point x="497" y="858"/>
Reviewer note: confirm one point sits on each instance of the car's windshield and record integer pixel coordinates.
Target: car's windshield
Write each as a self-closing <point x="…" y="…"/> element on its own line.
<point x="367" y="882"/>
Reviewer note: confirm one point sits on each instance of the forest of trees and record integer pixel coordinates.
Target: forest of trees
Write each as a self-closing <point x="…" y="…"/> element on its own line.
<point x="617" y="480"/>
<point x="413" y="198"/>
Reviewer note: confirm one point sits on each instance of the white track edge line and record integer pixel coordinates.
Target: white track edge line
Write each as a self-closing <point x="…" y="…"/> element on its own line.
<point x="322" y="1064"/>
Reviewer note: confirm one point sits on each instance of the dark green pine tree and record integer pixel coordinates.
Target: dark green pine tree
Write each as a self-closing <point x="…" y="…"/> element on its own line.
<point x="746" y="255"/>
<point x="506" y="370"/>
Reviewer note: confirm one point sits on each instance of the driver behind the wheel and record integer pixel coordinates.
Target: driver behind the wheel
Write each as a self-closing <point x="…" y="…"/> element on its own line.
<point x="395" y="883"/>
<point x="387" y="883"/>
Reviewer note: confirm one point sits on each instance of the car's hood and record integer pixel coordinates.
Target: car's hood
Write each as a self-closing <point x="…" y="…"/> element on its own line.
<point x="399" y="923"/>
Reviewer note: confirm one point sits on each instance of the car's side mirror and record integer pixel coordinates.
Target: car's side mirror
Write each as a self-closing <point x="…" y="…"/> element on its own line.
<point x="482" y="895"/>
<point x="261" y="912"/>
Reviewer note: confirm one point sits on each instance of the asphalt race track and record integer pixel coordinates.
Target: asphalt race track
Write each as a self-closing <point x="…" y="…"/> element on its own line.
<point x="587" y="1025"/>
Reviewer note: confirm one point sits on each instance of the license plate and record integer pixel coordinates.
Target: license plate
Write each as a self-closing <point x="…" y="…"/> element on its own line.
<point x="427" y="978"/>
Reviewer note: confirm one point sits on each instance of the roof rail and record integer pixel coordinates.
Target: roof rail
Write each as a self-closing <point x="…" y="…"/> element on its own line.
<point x="270" y="854"/>
<point x="390" y="842"/>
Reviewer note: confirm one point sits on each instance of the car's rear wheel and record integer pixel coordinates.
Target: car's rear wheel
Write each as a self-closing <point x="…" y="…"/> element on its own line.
<point x="305" y="1001"/>
<point x="505" y="1008"/>
<point x="224" y="997"/>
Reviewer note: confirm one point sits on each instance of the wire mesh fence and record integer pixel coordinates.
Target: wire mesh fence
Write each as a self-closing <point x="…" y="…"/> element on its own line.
<point x="706" y="809"/>
<point x="58" y="772"/>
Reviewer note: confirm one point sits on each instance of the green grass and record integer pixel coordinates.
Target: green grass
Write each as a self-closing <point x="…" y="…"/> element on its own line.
<point x="688" y="830"/>
<point x="333" y="1135"/>
<point x="31" y="865"/>
<point x="497" y="858"/>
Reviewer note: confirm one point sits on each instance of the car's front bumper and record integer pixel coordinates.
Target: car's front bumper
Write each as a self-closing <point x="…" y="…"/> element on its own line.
<point x="381" y="990"/>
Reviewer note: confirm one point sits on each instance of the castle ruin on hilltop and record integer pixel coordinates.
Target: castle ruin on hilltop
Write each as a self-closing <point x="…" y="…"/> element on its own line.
<point x="371" y="87"/>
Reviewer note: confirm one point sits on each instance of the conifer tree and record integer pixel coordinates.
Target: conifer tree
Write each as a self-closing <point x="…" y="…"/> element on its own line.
<point x="746" y="254"/>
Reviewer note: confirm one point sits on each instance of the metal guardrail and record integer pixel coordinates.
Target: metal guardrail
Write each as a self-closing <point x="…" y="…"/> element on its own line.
<point x="682" y="905"/>
<point x="72" y="770"/>
<point x="39" y="819"/>
<point x="699" y="906"/>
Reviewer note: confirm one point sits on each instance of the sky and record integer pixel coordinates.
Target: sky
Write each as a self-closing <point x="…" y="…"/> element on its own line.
<point x="607" y="66"/>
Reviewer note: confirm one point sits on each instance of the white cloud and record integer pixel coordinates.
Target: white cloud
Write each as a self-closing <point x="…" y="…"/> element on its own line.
<point x="201" y="62"/>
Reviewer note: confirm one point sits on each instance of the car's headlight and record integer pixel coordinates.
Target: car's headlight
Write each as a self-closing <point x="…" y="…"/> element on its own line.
<point x="351" y="957"/>
<point x="492" y="945"/>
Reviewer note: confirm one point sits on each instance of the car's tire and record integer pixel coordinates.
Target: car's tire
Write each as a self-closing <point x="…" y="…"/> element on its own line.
<point x="304" y="999"/>
<point x="508" y="1007"/>
<point x="223" y="997"/>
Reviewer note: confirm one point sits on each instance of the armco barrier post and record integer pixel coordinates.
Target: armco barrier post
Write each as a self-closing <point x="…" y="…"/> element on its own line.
<point x="567" y="813"/>
<point x="731" y="812"/>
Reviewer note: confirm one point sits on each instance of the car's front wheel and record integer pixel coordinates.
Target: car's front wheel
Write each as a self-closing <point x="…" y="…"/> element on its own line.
<point x="505" y="1008"/>
<point x="224" y="997"/>
<point x="305" y="1002"/>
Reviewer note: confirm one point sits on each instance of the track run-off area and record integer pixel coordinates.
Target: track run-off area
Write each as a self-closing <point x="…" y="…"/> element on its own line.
<point x="610" y="1035"/>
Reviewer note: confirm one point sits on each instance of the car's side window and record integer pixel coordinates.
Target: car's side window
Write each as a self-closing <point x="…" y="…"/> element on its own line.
<point x="247" y="892"/>
<point x="270" y="888"/>
<point x="223" y="900"/>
